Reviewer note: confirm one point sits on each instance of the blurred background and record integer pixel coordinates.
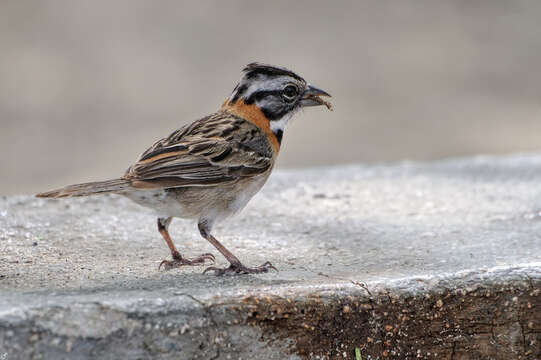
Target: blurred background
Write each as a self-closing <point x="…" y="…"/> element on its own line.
<point x="86" y="86"/>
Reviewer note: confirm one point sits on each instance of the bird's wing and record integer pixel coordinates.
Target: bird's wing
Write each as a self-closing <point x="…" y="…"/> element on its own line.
<point x="218" y="149"/>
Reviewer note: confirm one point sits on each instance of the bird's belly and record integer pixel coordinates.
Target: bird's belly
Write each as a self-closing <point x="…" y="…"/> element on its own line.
<point x="214" y="203"/>
<point x="161" y="202"/>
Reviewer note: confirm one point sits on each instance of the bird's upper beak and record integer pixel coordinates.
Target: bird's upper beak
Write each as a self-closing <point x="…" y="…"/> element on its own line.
<point x="311" y="97"/>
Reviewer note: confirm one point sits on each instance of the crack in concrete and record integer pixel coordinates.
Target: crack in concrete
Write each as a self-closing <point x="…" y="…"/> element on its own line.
<point x="522" y="333"/>
<point x="530" y="281"/>
<point x="207" y="310"/>
<point x="453" y="349"/>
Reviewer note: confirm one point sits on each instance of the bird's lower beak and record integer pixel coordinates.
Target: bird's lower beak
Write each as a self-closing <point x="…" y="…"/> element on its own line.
<point x="312" y="95"/>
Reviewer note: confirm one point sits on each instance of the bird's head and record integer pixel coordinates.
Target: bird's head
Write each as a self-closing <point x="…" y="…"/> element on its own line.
<point x="269" y="95"/>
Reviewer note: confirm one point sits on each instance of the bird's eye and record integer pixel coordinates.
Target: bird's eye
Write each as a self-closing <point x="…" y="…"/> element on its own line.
<point x="290" y="92"/>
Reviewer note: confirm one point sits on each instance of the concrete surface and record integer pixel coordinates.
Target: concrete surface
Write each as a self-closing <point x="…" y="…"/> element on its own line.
<point x="411" y="260"/>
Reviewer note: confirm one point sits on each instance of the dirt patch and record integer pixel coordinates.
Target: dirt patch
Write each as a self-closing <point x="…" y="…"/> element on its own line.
<point x="486" y="322"/>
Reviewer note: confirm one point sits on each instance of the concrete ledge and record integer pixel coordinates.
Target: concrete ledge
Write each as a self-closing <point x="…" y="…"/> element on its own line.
<point x="436" y="261"/>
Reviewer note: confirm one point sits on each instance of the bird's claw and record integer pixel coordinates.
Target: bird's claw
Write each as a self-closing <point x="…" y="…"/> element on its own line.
<point x="180" y="261"/>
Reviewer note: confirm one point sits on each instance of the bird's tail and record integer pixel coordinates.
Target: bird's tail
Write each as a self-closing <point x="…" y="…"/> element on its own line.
<point x="86" y="189"/>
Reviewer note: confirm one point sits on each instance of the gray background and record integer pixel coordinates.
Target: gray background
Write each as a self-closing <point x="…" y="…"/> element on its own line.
<point x="85" y="87"/>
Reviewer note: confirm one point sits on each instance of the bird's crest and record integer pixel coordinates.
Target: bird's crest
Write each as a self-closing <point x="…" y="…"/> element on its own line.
<point x="255" y="68"/>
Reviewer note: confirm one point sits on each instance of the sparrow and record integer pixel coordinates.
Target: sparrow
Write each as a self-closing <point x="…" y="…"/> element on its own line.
<point x="210" y="169"/>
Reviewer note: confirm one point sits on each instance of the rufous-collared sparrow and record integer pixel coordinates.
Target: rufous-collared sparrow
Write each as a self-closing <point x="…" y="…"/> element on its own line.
<point x="210" y="169"/>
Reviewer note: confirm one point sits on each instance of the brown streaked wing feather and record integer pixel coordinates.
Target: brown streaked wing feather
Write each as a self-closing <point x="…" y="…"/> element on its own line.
<point x="217" y="149"/>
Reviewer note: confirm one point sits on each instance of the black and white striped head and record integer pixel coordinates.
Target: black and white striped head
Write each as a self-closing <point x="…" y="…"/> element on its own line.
<point x="276" y="91"/>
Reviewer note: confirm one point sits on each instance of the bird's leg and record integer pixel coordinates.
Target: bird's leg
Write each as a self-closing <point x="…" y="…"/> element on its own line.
<point x="178" y="260"/>
<point x="235" y="266"/>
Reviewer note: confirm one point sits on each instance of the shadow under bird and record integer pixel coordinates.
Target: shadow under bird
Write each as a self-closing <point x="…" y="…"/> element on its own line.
<point x="210" y="169"/>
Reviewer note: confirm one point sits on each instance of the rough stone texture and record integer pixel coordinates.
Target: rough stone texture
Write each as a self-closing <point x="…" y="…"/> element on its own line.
<point x="436" y="261"/>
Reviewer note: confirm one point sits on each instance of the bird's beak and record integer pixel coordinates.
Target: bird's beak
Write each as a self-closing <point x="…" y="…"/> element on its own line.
<point x="311" y="97"/>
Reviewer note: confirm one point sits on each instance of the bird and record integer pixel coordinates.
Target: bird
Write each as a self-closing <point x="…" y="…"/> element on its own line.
<point x="208" y="170"/>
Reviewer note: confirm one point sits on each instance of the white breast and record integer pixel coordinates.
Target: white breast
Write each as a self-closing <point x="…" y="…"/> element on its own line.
<point x="247" y="193"/>
<point x="281" y="124"/>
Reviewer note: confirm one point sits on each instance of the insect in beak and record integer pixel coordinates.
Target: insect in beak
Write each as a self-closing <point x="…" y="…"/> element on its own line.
<point x="311" y="97"/>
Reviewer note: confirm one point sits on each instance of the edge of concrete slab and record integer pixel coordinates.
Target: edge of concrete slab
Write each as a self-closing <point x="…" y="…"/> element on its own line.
<point x="480" y="313"/>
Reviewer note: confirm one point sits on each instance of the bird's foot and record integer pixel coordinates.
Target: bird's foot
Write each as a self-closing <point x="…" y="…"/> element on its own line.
<point x="179" y="261"/>
<point x="239" y="269"/>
